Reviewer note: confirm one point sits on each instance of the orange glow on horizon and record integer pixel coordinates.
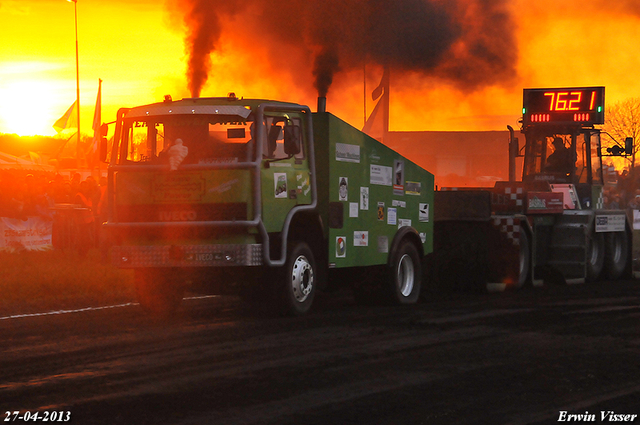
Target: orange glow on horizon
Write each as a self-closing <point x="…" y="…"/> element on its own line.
<point x="137" y="49"/>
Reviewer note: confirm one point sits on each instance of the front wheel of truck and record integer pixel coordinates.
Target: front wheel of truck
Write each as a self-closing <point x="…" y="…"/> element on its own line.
<point x="298" y="285"/>
<point x="157" y="293"/>
<point x="404" y="274"/>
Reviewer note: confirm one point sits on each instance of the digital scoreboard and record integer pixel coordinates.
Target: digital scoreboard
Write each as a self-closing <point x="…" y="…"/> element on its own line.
<point x="563" y="106"/>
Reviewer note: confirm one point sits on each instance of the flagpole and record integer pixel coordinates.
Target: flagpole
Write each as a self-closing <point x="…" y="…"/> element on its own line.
<point x="75" y="7"/>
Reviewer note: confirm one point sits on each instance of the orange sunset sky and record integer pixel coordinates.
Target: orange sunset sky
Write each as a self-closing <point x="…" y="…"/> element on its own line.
<point x="137" y="48"/>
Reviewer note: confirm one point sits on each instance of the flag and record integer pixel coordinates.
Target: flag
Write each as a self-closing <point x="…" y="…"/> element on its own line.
<point x="375" y="126"/>
<point x="97" y="120"/>
<point x="35" y="158"/>
<point x="68" y="120"/>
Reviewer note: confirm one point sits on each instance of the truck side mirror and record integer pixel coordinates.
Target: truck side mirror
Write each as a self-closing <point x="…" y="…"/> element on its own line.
<point x="103" y="149"/>
<point x="292" y="139"/>
<point x="628" y="146"/>
<point x="272" y="139"/>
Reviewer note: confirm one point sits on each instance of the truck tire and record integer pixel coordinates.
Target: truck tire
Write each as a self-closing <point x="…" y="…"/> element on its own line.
<point x="616" y="254"/>
<point x="298" y="282"/>
<point x="404" y="274"/>
<point x="595" y="256"/>
<point x="525" y="260"/>
<point x="157" y="293"/>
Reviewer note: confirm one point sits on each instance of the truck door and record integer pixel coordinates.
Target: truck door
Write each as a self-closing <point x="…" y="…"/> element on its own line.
<point x="285" y="171"/>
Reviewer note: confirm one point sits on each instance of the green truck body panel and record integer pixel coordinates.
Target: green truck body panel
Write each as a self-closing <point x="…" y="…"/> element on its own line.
<point x="379" y="190"/>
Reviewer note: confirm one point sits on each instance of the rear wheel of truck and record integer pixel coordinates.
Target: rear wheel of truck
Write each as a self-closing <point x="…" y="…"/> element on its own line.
<point x="298" y="283"/>
<point x="595" y="256"/>
<point x="615" y="254"/>
<point x="157" y="293"/>
<point x="405" y="274"/>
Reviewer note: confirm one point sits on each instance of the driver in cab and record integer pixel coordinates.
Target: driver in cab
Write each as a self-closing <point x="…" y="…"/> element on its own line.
<point x="561" y="160"/>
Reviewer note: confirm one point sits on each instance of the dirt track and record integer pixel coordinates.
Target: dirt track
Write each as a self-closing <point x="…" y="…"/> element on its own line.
<point x="511" y="358"/>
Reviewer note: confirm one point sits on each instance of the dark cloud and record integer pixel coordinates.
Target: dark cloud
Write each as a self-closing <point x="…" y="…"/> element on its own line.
<point x="468" y="42"/>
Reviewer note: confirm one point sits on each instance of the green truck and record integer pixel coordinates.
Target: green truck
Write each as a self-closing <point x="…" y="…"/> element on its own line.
<point x="265" y="200"/>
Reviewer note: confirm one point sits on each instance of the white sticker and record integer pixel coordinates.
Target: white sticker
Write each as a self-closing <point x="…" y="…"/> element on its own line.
<point x="353" y="209"/>
<point x="347" y="153"/>
<point x="423" y="237"/>
<point x="383" y="244"/>
<point x="361" y="238"/>
<point x="380" y="211"/>
<point x="398" y="177"/>
<point x="392" y="216"/>
<point x="423" y="212"/>
<point x="380" y="175"/>
<point x="343" y="189"/>
<point x="636" y="219"/>
<point x="610" y="222"/>
<point x="403" y="222"/>
<point x="364" y="198"/>
<point x="341" y="246"/>
<point x="401" y="204"/>
<point x="412" y="188"/>
<point x="280" y="183"/>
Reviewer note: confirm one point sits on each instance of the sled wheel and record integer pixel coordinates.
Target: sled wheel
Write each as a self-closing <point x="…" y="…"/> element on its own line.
<point x="616" y="254"/>
<point x="595" y="256"/>
<point x="525" y="260"/>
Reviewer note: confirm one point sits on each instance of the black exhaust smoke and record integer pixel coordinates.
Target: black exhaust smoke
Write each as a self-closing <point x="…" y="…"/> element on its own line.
<point x="467" y="42"/>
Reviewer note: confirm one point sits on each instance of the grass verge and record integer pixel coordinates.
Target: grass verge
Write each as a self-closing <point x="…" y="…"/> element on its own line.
<point x="33" y="282"/>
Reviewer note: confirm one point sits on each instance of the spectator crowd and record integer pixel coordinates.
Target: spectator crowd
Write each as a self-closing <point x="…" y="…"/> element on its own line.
<point x="53" y="197"/>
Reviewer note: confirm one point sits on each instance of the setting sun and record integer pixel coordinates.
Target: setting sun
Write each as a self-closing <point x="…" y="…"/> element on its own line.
<point x="31" y="101"/>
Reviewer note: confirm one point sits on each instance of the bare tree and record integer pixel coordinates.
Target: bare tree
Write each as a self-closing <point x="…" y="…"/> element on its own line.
<point x="622" y="120"/>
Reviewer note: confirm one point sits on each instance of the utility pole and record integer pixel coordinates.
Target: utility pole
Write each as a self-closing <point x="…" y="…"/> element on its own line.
<point x="75" y="6"/>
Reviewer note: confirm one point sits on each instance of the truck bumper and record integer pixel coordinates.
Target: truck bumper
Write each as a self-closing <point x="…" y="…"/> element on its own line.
<point x="186" y="255"/>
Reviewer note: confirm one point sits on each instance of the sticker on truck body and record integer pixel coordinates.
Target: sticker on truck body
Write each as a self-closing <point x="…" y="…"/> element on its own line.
<point x="353" y="209"/>
<point x="341" y="246"/>
<point x="280" y="185"/>
<point x="380" y="175"/>
<point x="185" y="187"/>
<point x="380" y="211"/>
<point x="392" y="216"/>
<point x="610" y="223"/>
<point x="383" y="244"/>
<point x="412" y="188"/>
<point x="361" y="238"/>
<point x="404" y="222"/>
<point x="364" y="198"/>
<point x="347" y="153"/>
<point x="423" y="212"/>
<point x="343" y="188"/>
<point x="398" y="177"/>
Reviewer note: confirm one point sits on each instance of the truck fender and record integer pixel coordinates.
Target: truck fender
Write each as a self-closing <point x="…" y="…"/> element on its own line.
<point x="409" y="233"/>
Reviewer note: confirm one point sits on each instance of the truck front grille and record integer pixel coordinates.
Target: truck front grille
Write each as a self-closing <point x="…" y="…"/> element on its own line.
<point x="236" y="211"/>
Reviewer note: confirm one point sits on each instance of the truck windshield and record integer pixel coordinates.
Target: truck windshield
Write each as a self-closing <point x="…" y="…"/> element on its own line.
<point x="550" y="157"/>
<point x="208" y="139"/>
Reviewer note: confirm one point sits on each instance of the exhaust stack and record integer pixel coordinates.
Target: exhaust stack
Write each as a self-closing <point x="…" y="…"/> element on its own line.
<point x="322" y="104"/>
